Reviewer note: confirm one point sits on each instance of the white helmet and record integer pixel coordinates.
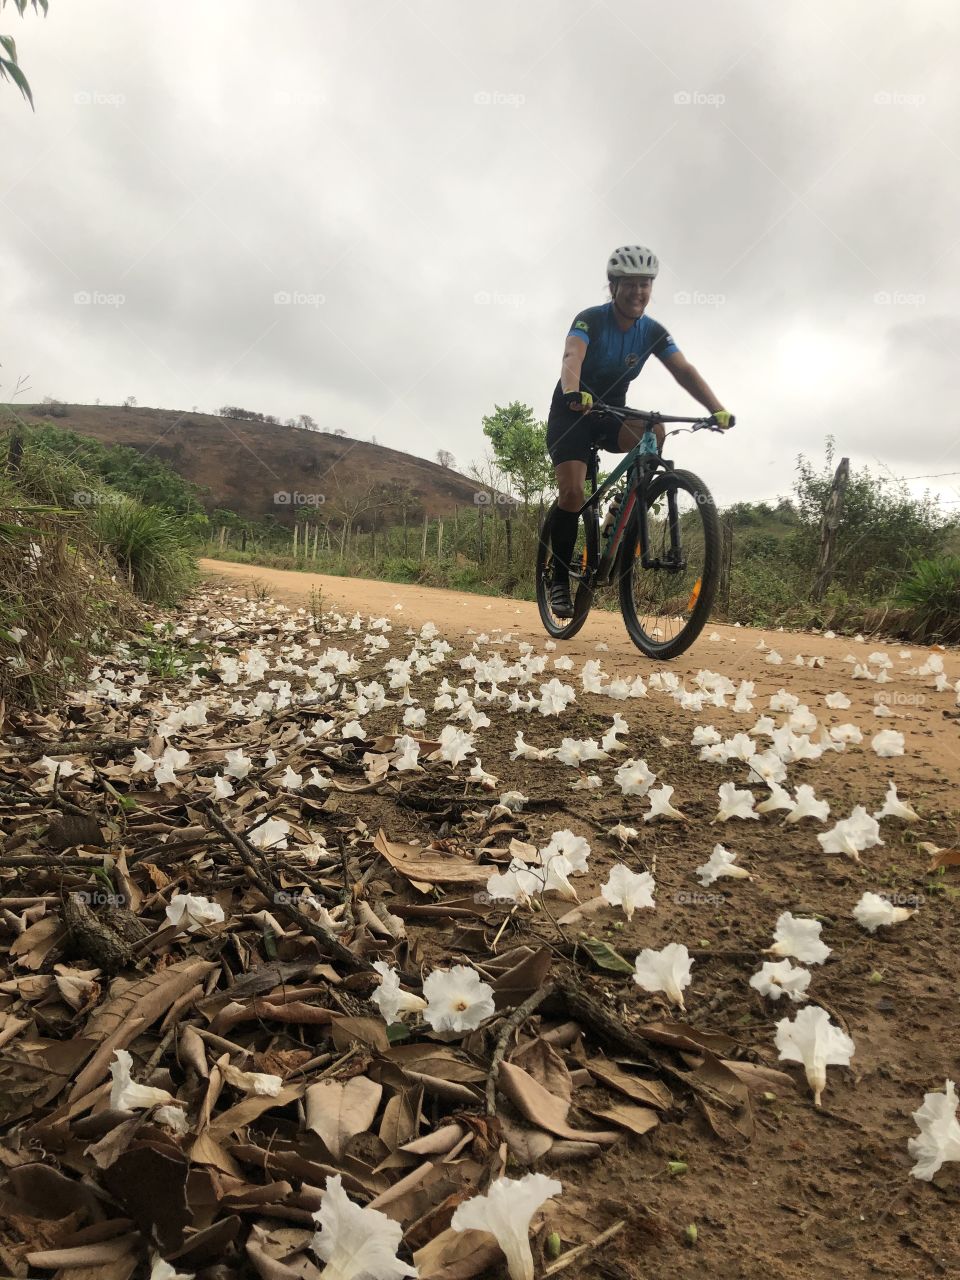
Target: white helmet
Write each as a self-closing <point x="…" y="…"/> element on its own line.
<point x="632" y="260"/>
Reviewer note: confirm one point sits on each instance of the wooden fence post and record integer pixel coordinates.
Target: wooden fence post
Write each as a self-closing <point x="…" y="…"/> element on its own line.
<point x="480" y="511"/>
<point x="832" y="514"/>
<point x="439" y="538"/>
<point x="509" y="541"/>
<point x="423" y="544"/>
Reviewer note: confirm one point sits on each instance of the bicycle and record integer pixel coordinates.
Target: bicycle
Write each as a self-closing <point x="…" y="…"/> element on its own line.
<point x="660" y="544"/>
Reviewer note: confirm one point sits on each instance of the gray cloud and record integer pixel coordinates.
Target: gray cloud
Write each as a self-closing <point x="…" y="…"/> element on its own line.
<point x="442" y="186"/>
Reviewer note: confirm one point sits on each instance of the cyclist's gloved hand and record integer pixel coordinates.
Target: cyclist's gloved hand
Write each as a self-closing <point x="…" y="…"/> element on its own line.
<point x="579" y="401"/>
<point x="724" y="419"/>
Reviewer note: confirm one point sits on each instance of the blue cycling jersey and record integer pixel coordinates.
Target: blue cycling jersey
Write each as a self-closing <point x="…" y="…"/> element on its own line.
<point x="615" y="356"/>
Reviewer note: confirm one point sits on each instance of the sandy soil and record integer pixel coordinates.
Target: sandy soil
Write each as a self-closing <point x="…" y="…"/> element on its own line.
<point x="734" y="653"/>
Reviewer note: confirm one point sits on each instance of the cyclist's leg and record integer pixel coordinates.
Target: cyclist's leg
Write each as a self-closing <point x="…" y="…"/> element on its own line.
<point x="571" y="477"/>
<point x="631" y="433"/>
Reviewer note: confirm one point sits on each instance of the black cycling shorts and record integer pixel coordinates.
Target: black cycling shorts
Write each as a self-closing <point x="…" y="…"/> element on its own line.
<point x="570" y="433"/>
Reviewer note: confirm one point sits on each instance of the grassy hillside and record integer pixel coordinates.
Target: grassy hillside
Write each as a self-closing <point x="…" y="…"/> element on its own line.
<point x="241" y="465"/>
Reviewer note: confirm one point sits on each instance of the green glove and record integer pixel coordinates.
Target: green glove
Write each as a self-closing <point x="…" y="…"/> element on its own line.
<point x="724" y="419"/>
<point x="578" y="400"/>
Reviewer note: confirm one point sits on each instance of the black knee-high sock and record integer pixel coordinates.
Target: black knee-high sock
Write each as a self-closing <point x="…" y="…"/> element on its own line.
<point x="563" y="538"/>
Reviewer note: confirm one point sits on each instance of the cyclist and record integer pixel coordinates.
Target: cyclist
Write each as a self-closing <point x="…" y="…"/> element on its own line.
<point x="605" y="349"/>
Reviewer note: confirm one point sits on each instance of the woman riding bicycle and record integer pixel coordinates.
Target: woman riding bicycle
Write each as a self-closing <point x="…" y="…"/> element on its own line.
<point x="605" y="349"/>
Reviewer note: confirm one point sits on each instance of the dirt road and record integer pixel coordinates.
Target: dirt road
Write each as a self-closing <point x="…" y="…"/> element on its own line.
<point x="924" y="716"/>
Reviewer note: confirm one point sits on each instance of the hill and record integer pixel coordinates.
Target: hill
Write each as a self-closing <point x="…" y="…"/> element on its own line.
<point x="244" y="464"/>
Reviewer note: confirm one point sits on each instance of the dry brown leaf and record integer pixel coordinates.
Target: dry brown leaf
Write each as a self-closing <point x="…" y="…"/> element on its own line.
<point x="400" y="1118"/>
<point x="637" y="1119"/>
<point x="337" y="1110"/>
<point x="542" y="1108"/>
<point x="424" y="868"/>
<point x="941" y="857"/>
<point x="526" y="1145"/>
<point x="650" y="1092"/>
<point x="542" y="1061"/>
<point x="137" y="1006"/>
<point x="33" y="946"/>
<point x="759" y="1077"/>
<point x="438" y="1143"/>
<point x="457" y="1255"/>
<point x="250" y="1109"/>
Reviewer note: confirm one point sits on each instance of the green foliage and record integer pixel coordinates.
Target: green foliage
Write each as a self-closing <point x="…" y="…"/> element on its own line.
<point x="883" y="528"/>
<point x="932" y="591"/>
<point x="9" y="67"/>
<point x="520" y="448"/>
<point x="81" y="459"/>
<point x="151" y="547"/>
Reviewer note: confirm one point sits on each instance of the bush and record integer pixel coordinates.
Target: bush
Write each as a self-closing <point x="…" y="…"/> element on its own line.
<point x="150" y="545"/>
<point x="932" y="591"/>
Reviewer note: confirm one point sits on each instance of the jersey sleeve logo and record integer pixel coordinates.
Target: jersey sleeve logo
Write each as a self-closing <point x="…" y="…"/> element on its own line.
<point x="582" y="324"/>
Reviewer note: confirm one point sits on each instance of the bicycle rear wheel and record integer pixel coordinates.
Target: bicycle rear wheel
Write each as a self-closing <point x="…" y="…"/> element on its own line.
<point x="581" y="590"/>
<point x="665" y="608"/>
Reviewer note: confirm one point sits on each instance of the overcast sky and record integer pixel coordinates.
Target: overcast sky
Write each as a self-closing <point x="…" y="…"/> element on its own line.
<point x="436" y="185"/>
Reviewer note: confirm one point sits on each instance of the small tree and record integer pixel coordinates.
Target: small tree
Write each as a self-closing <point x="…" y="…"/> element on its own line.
<point x="130" y="402"/>
<point x="520" y="448"/>
<point x="445" y="458"/>
<point x="306" y="422"/>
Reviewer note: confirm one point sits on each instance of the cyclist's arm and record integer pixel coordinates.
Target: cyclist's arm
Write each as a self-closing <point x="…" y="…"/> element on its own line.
<point x="574" y="351"/>
<point x="688" y="378"/>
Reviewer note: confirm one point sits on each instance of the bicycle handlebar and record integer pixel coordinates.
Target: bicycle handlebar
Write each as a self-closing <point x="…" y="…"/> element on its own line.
<point x="651" y="416"/>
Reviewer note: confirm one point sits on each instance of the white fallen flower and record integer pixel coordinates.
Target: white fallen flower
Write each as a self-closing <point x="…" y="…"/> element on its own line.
<point x="592" y="782"/>
<point x="660" y="806"/>
<point x="392" y="1002"/>
<point x="479" y="775"/>
<point x="414" y="718"/>
<point x="238" y="764"/>
<point x="517" y="884"/>
<point x="894" y="807"/>
<point x="888" y="742"/>
<point x="666" y="970"/>
<point x="623" y="833"/>
<point x="576" y="849"/>
<point x="852" y="835"/>
<point x="811" y="1038"/>
<point x="808" y="806"/>
<point x="192" y="912"/>
<point x="628" y="889"/>
<point x="455" y="744"/>
<point x="407" y="751"/>
<point x="734" y="803"/>
<point x="513" y="800"/>
<point x="505" y="1212"/>
<point x="609" y="741"/>
<point x="270" y="834"/>
<point x="780" y="978"/>
<point x="881" y="709"/>
<point x="126" y="1094"/>
<point x="291" y="780"/>
<point x="524" y="751"/>
<point x="773" y="658"/>
<point x="261" y="1084"/>
<point x="873" y="911"/>
<point x="768" y="767"/>
<point x="798" y="938"/>
<point x="721" y="863"/>
<point x="939" y="1139"/>
<point x="456" y="999"/>
<point x="554" y="696"/>
<point x="705" y="734"/>
<point x="354" y="1242"/>
<point x="634" y="778"/>
<point x="846" y="733"/>
<point x="779" y="798"/>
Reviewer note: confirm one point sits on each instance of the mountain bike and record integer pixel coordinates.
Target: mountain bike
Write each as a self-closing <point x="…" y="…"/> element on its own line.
<point x="658" y="542"/>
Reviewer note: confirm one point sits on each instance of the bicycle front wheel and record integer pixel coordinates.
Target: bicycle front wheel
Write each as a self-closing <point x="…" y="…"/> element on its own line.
<point x="581" y="577"/>
<point x="666" y="605"/>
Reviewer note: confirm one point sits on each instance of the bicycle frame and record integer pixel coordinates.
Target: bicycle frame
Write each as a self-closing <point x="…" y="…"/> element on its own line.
<point x="639" y="466"/>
